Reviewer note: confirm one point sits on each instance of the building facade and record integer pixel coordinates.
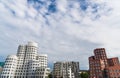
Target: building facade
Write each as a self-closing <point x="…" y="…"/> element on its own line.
<point x="9" y="67"/>
<point x="66" y="70"/>
<point x="102" y="67"/>
<point x="112" y="72"/>
<point x="42" y="72"/>
<point x="25" y="63"/>
<point x="43" y="60"/>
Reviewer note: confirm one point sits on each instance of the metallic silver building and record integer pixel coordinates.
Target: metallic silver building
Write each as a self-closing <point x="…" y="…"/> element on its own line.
<point x="66" y="70"/>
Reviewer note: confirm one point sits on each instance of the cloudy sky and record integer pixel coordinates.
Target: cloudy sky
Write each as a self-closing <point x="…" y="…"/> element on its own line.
<point x="66" y="30"/>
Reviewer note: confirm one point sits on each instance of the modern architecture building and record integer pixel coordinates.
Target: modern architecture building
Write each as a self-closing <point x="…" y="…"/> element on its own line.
<point x="66" y="69"/>
<point x="112" y="71"/>
<point x="42" y="72"/>
<point x="25" y="63"/>
<point x="102" y="67"/>
<point x="10" y="66"/>
<point x="43" y="60"/>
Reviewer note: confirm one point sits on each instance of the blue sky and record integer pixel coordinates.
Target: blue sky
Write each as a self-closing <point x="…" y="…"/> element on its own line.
<point x="66" y="30"/>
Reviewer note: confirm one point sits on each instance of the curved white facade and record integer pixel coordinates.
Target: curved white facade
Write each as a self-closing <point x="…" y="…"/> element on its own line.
<point x="43" y="60"/>
<point x="25" y="63"/>
<point x="25" y="53"/>
<point x="33" y="64"/>
<point x="9" y="67"/>
<point x="42" y="72"/>
<point x="31" y="43"/>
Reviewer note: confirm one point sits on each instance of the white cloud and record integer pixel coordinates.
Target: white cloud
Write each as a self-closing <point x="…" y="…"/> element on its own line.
<point x="67" y="34"/>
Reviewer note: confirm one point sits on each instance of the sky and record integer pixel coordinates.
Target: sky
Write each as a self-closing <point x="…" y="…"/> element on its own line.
<point x="66" y="30"/>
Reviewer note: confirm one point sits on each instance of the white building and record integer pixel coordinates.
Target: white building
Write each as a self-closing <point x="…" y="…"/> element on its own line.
<point x="70" y="73"/>
<point x="9" y="67"/>
<point x="42" y="72"/>
<point x="43" y="60"/>
<point x="25" y="64"/>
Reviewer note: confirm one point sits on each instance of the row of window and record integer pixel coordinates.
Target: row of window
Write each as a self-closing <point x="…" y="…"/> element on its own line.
<point x="117" y="70"/>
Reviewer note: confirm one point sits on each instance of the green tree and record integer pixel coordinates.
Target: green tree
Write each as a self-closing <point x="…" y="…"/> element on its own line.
<point x="84" y="75"/>
<point x="50" y="76"/>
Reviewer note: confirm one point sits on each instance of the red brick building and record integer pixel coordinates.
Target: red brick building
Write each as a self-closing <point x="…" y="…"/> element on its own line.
<point x="113" y="61"/>
<point x="102" y="67"/>
<point x="112" y="71"/>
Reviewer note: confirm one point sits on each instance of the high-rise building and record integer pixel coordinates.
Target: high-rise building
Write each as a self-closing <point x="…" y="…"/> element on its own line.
<point x="102" y="67"/>
<point x="25" y="63"/>
<point x="66" y="69"/>
<point x="112" y="72"/>
<point x="113" y="61"/>
<point x="42" y="72"/>
<point x="10" y="66"/>
<point x="43" y="60"/>
<point x="100" y="53"/>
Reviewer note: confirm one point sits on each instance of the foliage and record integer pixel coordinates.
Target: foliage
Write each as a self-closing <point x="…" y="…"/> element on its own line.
<point x="84" y="75"/>
<point x="50" y="76"/>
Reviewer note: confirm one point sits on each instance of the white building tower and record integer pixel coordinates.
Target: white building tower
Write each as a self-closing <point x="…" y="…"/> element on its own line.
<point x="25" y="54"/>
<point x="70" y="73"/>
<point x="9" y="67"/>
<point x="32" y="67"/>
<point x="43" y="60"/>
<point x="25" y="64"/>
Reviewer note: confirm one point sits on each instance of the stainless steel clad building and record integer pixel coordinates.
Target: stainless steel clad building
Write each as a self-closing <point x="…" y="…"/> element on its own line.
<point x="66" y="69"/>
